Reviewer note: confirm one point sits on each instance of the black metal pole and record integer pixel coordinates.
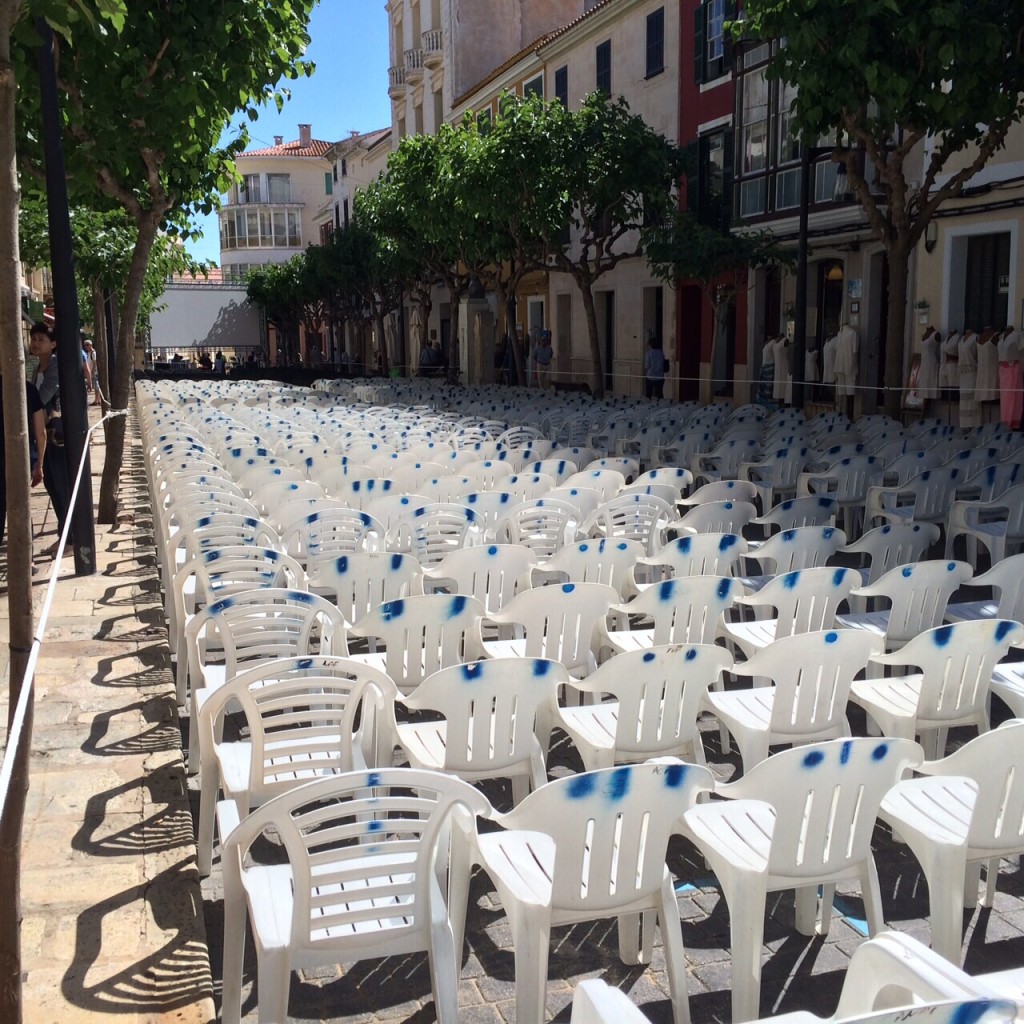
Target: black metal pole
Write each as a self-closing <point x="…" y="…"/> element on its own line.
<point x="796" y="362"/>
<point x="73" y="408"/>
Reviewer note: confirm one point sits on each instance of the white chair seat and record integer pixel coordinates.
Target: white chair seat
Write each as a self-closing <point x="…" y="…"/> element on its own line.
<point x="897" y="697"/>
<point x="740" y="830"/>
<point x="533" y="857"/>
<point x="964" y="610"/>
<point x="515" y="648"/>
<point x="873" y="622"/>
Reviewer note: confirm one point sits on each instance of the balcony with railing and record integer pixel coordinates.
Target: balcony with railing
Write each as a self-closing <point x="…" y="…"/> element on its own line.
<point x="396" y="81"/>
<point x="413" y="65"/>
<point x="433" y="47"/>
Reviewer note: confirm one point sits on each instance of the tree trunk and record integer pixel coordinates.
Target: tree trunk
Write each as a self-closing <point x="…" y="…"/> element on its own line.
<point x="520" y="359"/>
<point x="596" y="373"/>
<point x="455" y="301"/>
<point x="121" y="384"/>
<point x="19" y="528"/>
<point x="899" y="268"/>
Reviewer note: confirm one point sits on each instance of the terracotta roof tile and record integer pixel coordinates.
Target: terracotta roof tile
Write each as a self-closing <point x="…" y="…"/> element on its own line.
<point x="316" y="149"/>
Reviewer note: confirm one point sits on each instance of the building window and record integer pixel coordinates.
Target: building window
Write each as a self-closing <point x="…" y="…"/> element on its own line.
<point x="534" y="87"/>
<point x="256" y="229"/>
<point x="251" y="188"/>
<point x="825" y="174"/>
<point x="656" y="42"/>
<point x="344" y="168"/>
<point x="328" y="183"/>
<point x="279" y="188"/>
<point x="484" y="120"/>
<point x="603" y="55"/>
<point x="709" y="195"/>
<point x="787" y="189"/>
<point x="755" y="121"/>
<point x="752" y="196"/>
<point x="337" y="216"/>
<point x="345" y="212"/>
<point x="562" y="86"/>
<point x="712" y="45"/>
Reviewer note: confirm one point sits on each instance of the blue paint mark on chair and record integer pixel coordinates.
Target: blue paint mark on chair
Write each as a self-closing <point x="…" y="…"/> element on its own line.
<point x="880" y="752"/>
<point x="618" y="784"/>
<point x="813" y="759"/>
<point x="942" y="636"/>
<point x="581" y="786"/>
<point x="458" y="605"/>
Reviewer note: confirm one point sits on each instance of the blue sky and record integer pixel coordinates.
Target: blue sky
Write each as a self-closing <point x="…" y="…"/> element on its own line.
<point x="347" y="92"/>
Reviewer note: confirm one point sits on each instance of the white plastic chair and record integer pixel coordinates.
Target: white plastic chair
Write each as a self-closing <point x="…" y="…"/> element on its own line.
<point x="775" y="473"/>
<point x="890" y="545"/>
<point x="628" y="467"/>
<point x="811" y="510"/>
<point x="847" y="480"/>
<point x="494" y="714"/>
<point x="804" y="601"/>
<point x="421" y="635"/>
<point x="951" y="687"/>
<point x="804" y="547"/>
<point x="332" y="532"/>
<point x="811" y="674"/>
<point x="720" y="490"/>
<point x="340" y="902"/>
<point x="560" y="622"/>
<point x="680" y="610"/>
<point x="220" y="572"/>
<point x="432" y="531"/>
<point x="693" y="554"/>
<point x="259" y="624"/>
<point x="800" y="819"/>
<point x="359" y="582"/>
<point x="655" y="703"/>
<point x="543" y="525"/>
<point x="304" y="718"/>
<point x="965" y="813"/>
<point x="1006" y="580"/>
<point x="917" y="596"/>
<point x="491" y="573"/>
<point x="639" y="517"/>
<point x="559" y="469"/>
<point x="716" y="517"/>
<point x="607" y="482"/>
<point x="392" y="508"/>
<point x="590" y="561"/>
<point x="587" y="847"/>
<point x="998" y="525"/>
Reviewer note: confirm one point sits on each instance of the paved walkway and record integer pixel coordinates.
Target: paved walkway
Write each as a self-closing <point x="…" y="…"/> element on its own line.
<point x="112" y="921"/>
<point x="116" y="925"/>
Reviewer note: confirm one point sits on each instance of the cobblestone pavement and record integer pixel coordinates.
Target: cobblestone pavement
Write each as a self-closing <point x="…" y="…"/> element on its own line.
<point x="116" y="925"/>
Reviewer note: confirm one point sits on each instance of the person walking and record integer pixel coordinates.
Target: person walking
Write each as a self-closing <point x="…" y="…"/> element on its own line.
<point x="542" y="356"/>
<point x="655" y="366"/>
<point x="55" y="470"/>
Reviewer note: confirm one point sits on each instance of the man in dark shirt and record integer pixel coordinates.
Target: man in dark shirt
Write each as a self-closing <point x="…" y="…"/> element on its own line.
<point x="36" y="446"/>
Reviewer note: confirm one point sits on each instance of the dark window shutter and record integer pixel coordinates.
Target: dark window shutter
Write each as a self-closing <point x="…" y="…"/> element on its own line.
<point x="727" y="175"/>
<point x="698" y="44"/>
<point x="727" y="40"/>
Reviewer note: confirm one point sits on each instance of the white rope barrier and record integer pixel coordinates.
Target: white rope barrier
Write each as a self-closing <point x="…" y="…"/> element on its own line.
<point x="27" y="683"/>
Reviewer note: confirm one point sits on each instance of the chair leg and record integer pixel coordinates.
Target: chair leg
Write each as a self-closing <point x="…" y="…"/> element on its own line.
<point x="746" y="900"/>
<point x="991" y="877"/>
<point x="444" y="968"/>
<point x="946" y="897"/>
<point x="531" y="934"/>
<point x="235" y="908"/>
<point x="675" y="961"/>
<point x="806" y="901"/>
<point x="636" y="937"/>
<point x="207" y="802"/>
<point x="274" y="975"/>
<point x="872" y="896"/>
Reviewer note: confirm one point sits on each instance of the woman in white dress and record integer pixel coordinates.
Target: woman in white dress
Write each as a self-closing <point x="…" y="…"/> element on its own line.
<point x="783" y="389"/>
<point x="967" y="375"/>
<point x="987" y="387"/>
<point x="948" y="376"/>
